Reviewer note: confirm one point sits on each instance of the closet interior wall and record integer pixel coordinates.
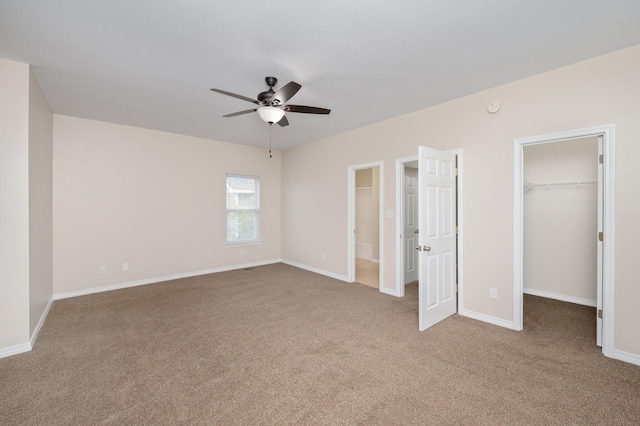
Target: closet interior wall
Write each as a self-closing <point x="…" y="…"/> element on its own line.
<point x="367" y="214"/>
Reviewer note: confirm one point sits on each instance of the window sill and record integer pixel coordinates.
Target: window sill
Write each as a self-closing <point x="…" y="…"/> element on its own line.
<point x="243" y="243"/>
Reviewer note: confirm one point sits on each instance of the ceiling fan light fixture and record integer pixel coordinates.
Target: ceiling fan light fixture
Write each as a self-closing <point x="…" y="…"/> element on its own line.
<point x="270" y="114"/>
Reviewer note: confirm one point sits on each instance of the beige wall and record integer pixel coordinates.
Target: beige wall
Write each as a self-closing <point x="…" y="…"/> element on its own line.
<point x="151" y="199"/>
<point x="14" y="203"/>
<point x="560" y="222"/>
<point x="599" y="91"/>
<point x="40" y="203"/>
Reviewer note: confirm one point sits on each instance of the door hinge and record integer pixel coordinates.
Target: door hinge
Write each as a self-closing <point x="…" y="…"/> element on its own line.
<point x="456" y="288"/>
<point x="456" y="229"/>
<point x="456" y="171"/>
<point x="600" y="313"/>
<point x="601" y="236"/>
<point x="601" y="159"/>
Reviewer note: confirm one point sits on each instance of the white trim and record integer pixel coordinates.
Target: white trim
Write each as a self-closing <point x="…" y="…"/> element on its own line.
<point x="243" y="243"/>
<point x="351" y="220"/>
<point x="626" y="357"/>
<point x="43" y="318"/>
<point x="316" y="270"/>
<point x="486" y="318"/>
<point x="561" y="297"/>
<point x="460" y="215"/>
<point x="608" y="262"/>
<point x="392" y="292"/>
<point x="28" y="346"/>
<point x="15" y="349"/>
<point x="84" y="292"/>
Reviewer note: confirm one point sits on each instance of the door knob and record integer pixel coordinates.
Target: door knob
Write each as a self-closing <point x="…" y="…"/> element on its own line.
<point x="418" y="248"/>
<point x="426" y="248"/>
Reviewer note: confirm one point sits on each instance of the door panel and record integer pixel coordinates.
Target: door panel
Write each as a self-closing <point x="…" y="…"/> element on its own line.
<point x="432" y="281"/>
<point x="437" y="239"/>
<point x="430" y="210"/>
<point x="447" y="270"/>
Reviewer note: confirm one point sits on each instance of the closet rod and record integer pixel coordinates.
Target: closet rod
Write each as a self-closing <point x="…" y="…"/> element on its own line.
<point x="531" y="184"/>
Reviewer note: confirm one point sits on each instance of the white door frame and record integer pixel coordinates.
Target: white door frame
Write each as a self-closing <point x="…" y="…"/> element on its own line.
<point x="400" y="252"/>
<point x="351" y="221"/>
<point x="608" y="262"/>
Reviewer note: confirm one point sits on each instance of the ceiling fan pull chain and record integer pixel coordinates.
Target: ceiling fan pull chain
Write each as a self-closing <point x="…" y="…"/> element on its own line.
<point x="270" y="124"/>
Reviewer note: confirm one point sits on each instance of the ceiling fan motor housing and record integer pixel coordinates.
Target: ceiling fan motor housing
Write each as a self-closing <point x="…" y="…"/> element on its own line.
<point x="265" y="97"/>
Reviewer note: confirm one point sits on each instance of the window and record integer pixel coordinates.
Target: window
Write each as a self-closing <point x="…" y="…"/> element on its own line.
<point x="243" y="208"/>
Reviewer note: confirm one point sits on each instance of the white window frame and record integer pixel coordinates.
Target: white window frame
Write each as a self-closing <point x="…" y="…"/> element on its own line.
<point x="255" y="209"/>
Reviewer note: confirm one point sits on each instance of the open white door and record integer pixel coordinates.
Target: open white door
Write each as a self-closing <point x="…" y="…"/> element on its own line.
<point x="599" y="242"/>
<point x="437" y="237"/>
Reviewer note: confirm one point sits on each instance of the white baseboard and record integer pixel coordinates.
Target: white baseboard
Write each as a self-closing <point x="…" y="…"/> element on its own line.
<point x="375" y="260"/>
<point x="390" y="292"/>
<point x="626" y="357"/>
<point x="43" y="318"/>
<point x="28" y="346"/>
<point x="316" y="270"/>
<point x="15" y="350"/>
<point x="154" y="280"/>
<point x="561" y="297"/>
<point x="486" y="318"/>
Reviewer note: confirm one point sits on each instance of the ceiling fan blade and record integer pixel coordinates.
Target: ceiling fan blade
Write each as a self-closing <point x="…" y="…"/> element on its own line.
<point x="286" y="92"/>
<point x="247" y="111"/>
<point x="235" y="95"/>
<point x="283" y="121"/>
<point x="306" y="109"/>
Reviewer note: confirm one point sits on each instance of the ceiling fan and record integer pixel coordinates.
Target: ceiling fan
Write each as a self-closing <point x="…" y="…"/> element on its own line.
<point x="271" y="104"/>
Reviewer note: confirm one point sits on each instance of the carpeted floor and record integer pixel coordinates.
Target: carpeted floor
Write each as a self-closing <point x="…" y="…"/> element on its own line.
<point x="279" y="345"/>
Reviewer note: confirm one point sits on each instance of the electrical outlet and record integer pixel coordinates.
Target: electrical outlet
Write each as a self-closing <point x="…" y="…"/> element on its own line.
<point x="493" y="293"/>
<point x="324" y="257"/>
<point x="241" y="252"/>
<point x="125" y="266"/>
<point x="102" y="269"/>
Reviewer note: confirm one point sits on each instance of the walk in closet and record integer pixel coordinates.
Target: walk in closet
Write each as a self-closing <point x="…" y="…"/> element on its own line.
<point x="560" y="202"/>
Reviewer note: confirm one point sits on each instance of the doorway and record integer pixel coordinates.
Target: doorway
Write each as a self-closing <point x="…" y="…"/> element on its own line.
<point x="367" y="227"/>
<point x="560" y="227"/>
<point x="606" y="228"/>
<point x="365" y="224"/>
<point x="407" y="208"/>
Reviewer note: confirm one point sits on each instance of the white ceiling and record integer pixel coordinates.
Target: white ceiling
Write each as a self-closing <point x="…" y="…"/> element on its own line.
<point x="151" y="63"/>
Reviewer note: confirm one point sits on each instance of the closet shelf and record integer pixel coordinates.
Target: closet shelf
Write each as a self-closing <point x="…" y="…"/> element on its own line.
<point x="531" y="185"/>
